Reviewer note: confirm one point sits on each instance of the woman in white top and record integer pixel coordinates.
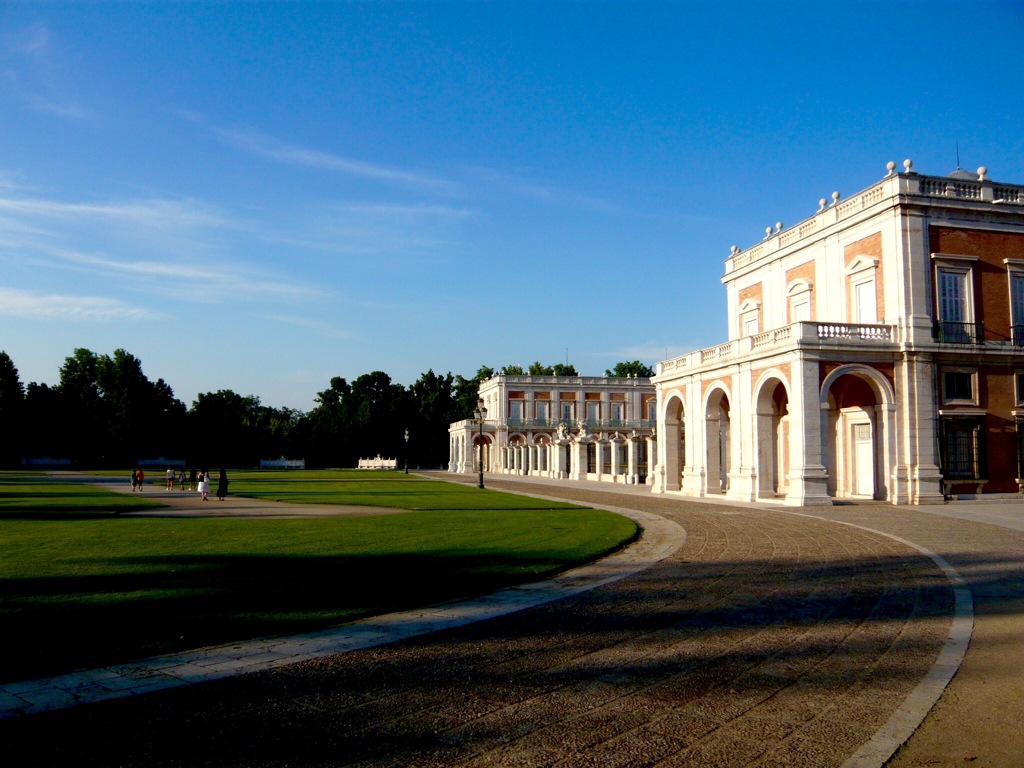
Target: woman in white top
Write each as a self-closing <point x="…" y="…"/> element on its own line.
<point x="204" y="484"/>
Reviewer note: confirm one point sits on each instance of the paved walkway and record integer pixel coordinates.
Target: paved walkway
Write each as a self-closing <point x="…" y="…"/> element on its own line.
<point x="768" y="637"/>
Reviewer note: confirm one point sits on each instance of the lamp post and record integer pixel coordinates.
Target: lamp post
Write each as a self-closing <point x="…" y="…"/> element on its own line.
<point x="407" y="450"/>
<point x="481" y="414"/>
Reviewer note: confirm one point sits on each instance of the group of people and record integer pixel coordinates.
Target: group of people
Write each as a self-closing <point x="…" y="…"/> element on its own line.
<point x="197" y="481"/>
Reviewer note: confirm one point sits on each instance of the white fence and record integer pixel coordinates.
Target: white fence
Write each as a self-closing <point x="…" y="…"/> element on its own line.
<point x="378" y="463"/>
<point x="282" y="463"/>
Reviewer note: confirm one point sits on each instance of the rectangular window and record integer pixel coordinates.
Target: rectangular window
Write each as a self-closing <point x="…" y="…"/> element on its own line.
<point x="962" y="449"/>
<point x="515" y="412"/>
<point x="1019" y="380"/>
<point x="567" y="414"/>
<point x="593" y="413"/>
<point x="952" y="296"/>
<point x="801" y="311"/>
<point x="956" y="317"/>
<point x="750" y="325"/>
<point x="1020" y="449"/>
<point x="542" y="413"/>
<point x="957" y="385"/>
<point x="1017" y="307"/>
<point x="864" y="303"/>
<point x="618" y="413"/>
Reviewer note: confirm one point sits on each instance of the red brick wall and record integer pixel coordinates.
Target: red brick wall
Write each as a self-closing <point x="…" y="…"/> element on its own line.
<point x="991" y="284"/>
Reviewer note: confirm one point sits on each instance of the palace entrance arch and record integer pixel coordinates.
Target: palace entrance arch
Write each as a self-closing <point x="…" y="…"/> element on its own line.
<point x="858" y="432"/>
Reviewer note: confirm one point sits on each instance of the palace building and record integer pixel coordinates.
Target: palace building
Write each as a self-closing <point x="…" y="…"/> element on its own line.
<point x="563" y="427"/>
<point x="876" y="351"/>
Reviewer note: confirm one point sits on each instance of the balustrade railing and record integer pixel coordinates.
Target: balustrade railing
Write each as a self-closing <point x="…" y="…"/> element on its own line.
<point x="912" y="183"/>
<point x="593" y="425"/>
<point x="853" y="332"/>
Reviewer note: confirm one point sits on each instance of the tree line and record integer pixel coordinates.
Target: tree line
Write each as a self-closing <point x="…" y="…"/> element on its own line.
<point x="105" y="412"/>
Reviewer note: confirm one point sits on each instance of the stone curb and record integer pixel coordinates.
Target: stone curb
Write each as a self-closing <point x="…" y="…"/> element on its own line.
<point x="919" y="702"/>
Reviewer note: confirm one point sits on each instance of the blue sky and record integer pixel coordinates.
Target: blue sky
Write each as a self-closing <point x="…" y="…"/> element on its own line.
<point x="258" y="197"/>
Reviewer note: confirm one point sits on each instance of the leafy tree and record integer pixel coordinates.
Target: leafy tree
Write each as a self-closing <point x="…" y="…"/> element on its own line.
<point x="12" y="411"/>
<point x="277" y="428"/>
<point x="467" y="393"/>
<point x="559" y="369"/>
<point x="46" y="412"/>
<point x="325" y="432"/>
<point x="222" y="430"/>
<point x="514" y="370"/>
<point x="86" y="428"/>
<point x="634" y="368"/>
<point x="144" y="418"/>
<point x="433" y="404"/>
<point x="379" y="409"/>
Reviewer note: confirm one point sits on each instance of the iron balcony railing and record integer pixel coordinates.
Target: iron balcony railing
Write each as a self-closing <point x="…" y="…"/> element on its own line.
<point x="947" y="332"/>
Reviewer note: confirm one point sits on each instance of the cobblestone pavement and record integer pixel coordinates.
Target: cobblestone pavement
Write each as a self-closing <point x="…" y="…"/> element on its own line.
<point x="768" y="639"/>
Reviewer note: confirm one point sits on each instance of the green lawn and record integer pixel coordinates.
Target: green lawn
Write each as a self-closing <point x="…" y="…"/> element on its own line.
<point x="82" y="586"/>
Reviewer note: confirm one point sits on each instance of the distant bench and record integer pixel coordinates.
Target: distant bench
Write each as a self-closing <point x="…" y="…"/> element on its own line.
<point x="282" y="463"/>
<point x="378" y="463"/>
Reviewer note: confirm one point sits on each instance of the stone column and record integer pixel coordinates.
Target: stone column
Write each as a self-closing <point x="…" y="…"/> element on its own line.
<point x="652" y="453"/>
<point x="578" y="461"/>
<point x="808" y="478"/>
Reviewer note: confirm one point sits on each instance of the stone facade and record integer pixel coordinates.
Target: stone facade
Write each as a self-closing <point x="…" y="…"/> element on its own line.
<point x="563" y="427"/>
<point x="876" y="350"/>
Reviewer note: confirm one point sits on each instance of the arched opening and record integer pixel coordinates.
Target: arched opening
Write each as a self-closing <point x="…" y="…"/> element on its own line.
<point x="481" y="452"/>
<point x="772" y="439"/>
<point x="517" y="454"/>
<point x="855" y="432"/>
<point x="675" y="444"/>
<point x="543" y="447"/>
<point x="716" y="418"/>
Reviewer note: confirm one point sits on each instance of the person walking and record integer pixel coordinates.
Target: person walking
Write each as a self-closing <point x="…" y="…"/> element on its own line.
<point x="192" y="479"/>
<point x="204" y="484"/>
<point x="222" y="484"/>
<point x="181" y="480"/>
<point x="170" y="479"/>
<point x="135" y="479"/>
<point x="141" y="476"/>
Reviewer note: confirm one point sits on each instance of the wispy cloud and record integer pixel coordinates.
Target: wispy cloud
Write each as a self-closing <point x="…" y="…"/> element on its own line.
<point x="38" y="306"/>
<point x="260" y="144"/>
<point x="319" y="327"/>
<point x="551" y="194"/>
<point x="162" y="214"/>
<point x="192" y="282"/>
<point x="390" y="234"/>
<point x="168" y="246"/>
<point x="33" y="73"/>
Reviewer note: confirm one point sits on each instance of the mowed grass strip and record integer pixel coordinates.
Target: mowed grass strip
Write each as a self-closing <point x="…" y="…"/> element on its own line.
<point x="81" y="586"/>
<point x="375" y="489"/>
